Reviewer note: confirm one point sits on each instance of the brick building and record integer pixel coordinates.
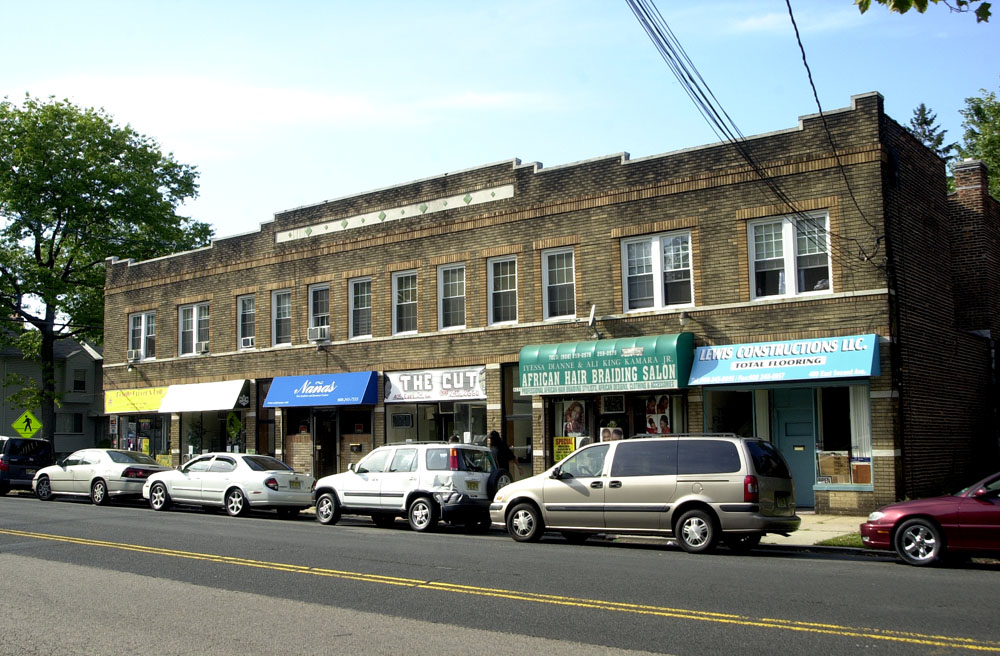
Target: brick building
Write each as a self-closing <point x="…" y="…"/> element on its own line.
<point x="842" y="310"/>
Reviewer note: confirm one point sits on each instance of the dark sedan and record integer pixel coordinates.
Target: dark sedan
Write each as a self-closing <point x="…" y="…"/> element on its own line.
<point x="922" y="531"/>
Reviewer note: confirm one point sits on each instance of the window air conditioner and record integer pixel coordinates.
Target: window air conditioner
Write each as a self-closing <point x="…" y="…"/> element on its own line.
<point x="246" y="342"/>
<point x="133" y="355"/>
<point x="201" y="347"/>
<point x="319" y="334"/>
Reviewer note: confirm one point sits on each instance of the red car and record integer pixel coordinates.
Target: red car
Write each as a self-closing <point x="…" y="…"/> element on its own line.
<point x="921" y="531"/>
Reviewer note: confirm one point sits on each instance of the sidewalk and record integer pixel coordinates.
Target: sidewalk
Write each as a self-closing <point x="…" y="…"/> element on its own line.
<point x="817" y="528"/>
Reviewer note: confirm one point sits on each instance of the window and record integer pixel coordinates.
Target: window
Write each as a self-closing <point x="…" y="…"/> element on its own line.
<point x="79" y="380"/>
<point x="405" y="460"/>
<point x="281" y="317"/>
<point x="69" y="422"/>
<point x="361" y="307"/>
<point x="319" y="311"/>
<point x="193" y="328"/>
<point x="789" y="256"/>
<point x="586" y="463"/>
<point x="645" y="458"/>
<point x="657" y="271"/>
<point x="707" y="457"/>
<point x="558" y="284"/>
<point x="247" y="321"/>
<point x="451" y="291"/>
<point x="222" y="465"/>
<point x="404" y="302"/>
<point x="142" y="335"/>
<point x="374" y="462"/>
<point x="503" y="290"/>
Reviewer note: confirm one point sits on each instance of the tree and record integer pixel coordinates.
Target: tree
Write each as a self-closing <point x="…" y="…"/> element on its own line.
<point x="75" y="189"/>
<point x="982" y="12"/>
<point x="924" y="127"/>
<point x="981" y="139"/>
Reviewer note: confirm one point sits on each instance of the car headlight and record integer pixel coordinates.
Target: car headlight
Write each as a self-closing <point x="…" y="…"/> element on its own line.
<point x="875" y="516"/>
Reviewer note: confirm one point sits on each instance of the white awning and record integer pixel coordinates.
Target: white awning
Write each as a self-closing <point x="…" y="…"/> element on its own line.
<point x="199" y="397"/>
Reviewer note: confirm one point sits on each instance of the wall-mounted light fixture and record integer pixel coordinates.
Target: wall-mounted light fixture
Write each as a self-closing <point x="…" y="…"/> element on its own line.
<point x="129" y="367"/>
<point x="684" y="319"/>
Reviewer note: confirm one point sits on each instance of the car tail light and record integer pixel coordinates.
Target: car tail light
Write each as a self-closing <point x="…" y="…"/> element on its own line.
<point x="3" y="463"/>
<point x="313" y="486"/>
<point x="272" y="483"/>
<point x="135" y="472"/>
<point x="453" y="460"/>
<point x="750" y="492"/>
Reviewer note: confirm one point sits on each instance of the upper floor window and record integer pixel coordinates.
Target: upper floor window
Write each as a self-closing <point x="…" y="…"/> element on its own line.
<point x="281" y="317"/>
<point x="79" y="380"/>
<point x="319" y="312"/>
<point x="361" y="307"/>
<point x="193" y="328"/>
<point x="503" y="290"/>
<point x="789" y="256"/>
<point x="451" y="291"/>
<point x="247" y="321"/>
<point x="558" y="283"/>
<point x="404" y="302"/>
<point x="657" y="271"/>
<point x="142" y="336"/>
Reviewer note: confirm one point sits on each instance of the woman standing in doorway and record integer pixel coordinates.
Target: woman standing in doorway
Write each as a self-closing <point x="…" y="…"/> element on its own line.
<point x="502" y="454"/>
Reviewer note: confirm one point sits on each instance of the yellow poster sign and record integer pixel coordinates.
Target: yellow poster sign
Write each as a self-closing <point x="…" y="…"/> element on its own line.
<point x="147" y="399"/>
<point x="562" y="447"/>
<point x="26" y="425"/>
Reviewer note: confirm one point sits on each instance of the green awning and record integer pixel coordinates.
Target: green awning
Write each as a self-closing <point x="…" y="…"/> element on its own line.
<point x="607" y="365"/>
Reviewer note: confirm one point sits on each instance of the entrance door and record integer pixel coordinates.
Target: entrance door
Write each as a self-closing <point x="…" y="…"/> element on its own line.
<point x="794" y="419"/>
<point x="327" y="444"/>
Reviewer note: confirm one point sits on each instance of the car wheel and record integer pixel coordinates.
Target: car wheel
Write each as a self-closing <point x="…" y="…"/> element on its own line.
<point x="99" y="493"/>
<point x="696" y="532"/>
<point x="383" y="520"/>
<point x="422" y="514"/>
<point x="574" y="537"/>
<point x="288" y="513"/>
<point x="327" y="509"/>
<point x="918" y="542"/>
<point x="236" y="502"/>
<point x="158" y="497"/>
<point x="743" y="542"/>
<point x="43" y="489"/>
<point x="498" y="478"/>
<point x="525" y="524"/>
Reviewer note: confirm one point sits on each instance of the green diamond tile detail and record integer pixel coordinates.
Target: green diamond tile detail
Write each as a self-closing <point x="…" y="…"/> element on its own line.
<point x="402" y="212"/>
<point x="423" y="207"/>
<point x="362" y="219"/>
<point x="381" y="216"/>
<point x="445" y="203"/>
<point x="343" y="224"/>
<point x="493" y="194"/>
<point x="309" y="231"/>
<point x="467" y="199"/>
<point x="326" y="227"/>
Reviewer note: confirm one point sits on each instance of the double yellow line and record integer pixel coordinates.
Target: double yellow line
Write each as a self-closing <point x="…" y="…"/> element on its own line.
<point x="928" y="640"/>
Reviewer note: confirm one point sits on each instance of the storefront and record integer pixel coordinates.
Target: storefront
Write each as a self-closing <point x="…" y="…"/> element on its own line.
<point x="810" y="397"/>
<point x="435" y="404"/>
<point x="327" y="418"/>
<point x="135" y="422"/>
<point x="608" y="389"/>
<point x="212" y="416"/>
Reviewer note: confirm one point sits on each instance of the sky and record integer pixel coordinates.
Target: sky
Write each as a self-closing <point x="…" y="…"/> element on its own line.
<point x="285" y="104"/>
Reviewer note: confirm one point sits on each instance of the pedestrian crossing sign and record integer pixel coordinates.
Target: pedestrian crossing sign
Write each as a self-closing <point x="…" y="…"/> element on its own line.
<point x="27" y="424"/>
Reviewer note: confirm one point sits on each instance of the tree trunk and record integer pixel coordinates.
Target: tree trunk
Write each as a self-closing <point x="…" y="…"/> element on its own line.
<point x="48" y="386"/>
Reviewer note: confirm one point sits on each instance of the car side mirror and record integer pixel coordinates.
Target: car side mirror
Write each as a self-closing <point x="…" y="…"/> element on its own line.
<point x="352" y="467"/>
<point x="556" y="472"/>
<point x="981" y="493"/>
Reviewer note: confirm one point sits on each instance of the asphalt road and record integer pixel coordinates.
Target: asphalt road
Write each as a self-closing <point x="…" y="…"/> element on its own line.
<point x="123" y="579"/>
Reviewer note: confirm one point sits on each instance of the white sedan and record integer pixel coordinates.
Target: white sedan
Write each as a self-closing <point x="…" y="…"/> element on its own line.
<point x="97" y="473"/>
<point x="235" y="481"/>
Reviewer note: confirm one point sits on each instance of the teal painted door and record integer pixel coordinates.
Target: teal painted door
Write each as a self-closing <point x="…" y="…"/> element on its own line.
<point x="794" y="419"/>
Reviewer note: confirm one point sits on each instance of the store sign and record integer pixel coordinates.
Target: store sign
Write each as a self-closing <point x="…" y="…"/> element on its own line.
<point x="436" y="385"/>
<point x="607" y="365"/>
<point x="352" y="388"/>
<point x="147" y="399"/>
<point x="855" y="356"/>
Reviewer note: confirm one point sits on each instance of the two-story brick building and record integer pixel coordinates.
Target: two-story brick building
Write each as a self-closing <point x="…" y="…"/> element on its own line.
<point x="837" y="307"/>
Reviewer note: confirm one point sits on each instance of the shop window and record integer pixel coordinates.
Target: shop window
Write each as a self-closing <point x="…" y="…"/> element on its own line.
<point x="451" y="292"/>
<point x="281" y="317"/>
<point x="404" y="303"/>
<point x="361" y="307"/>
<point x="193" y="329"/>
<point x="730" y="412"/>
<point x="502" y="290"/>
<point x="559" y="284"/>
<point x="657" y="271"/>
<point x="517" y="416"/>
<point x="247" y="321"/>
<point x="470" y="418"/>
<point x="843" y="449"/>
<point x="142" y="336"/>
<point x="789" y="256"/>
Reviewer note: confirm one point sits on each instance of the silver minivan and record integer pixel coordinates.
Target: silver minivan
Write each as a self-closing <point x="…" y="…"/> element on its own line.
<point x="697" y="488"/>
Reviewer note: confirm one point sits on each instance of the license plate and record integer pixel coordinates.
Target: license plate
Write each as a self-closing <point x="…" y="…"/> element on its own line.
<point x="30" y="472"/>
<point x="472" y="485"/>
<point x="295" y="485"/>
<point x="781" y="502"/>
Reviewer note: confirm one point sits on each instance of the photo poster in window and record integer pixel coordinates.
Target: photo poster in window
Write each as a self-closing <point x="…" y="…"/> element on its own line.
<point x="658" y="414"/>
<point x="575" y="419"/>
<point x="612" y="404"/>
<point x="611" y="429"/>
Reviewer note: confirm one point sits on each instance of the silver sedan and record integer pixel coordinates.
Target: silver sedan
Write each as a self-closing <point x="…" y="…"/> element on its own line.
<point x="234" y="481"/>
<point x="98" y="473"/>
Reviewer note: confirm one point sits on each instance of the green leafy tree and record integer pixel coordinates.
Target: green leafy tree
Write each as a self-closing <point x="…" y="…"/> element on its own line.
<point x="924" y="126"/>
<point x="977" y="7"/>
<point x="981" y="139"/>
<point x="75" y="189"/>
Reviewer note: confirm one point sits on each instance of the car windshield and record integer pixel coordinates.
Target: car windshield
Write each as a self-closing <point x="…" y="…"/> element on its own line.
<point x="265" y="463"/>
<point x="130" y="457"/>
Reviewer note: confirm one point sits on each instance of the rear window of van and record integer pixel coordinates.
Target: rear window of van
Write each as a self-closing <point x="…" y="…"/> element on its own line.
<point x="707" y="457"/>
<point x="766" y="460"/>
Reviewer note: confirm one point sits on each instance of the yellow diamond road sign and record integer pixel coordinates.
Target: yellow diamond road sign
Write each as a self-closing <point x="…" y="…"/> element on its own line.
<point x="27" y="424"/>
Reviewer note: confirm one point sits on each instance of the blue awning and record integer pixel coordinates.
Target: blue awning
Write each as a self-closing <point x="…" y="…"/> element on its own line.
<point x="354" y="388"/>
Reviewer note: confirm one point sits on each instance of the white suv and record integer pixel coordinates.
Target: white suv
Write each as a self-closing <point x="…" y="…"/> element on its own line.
<point x="424" y="482"/>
